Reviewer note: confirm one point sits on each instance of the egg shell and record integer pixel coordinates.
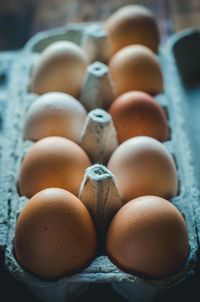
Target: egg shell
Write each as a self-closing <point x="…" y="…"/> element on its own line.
<point x="148" y="236"/>
<point x="55" y="114"/>
<point x="61" y="67"/>
<point x="143" y="166"/>
<point x="136" y="67"/>
<point x="51" y="234"/>
<point x="53" y="162"/>
<point x="132" y="24"/>
<point x="136" y="113"/>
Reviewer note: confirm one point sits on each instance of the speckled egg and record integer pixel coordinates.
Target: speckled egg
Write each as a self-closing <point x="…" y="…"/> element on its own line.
<point x="54" y="234"/>
<point x="148" y="237"/>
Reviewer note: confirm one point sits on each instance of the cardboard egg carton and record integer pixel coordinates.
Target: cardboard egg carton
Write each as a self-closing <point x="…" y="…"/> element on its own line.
<point x="98" y="183"/>
<point x="185" y="57"/>
<point x="6" y="105"/>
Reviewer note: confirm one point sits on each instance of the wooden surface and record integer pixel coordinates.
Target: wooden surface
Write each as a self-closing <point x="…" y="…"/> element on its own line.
<point x="20" y="19"/>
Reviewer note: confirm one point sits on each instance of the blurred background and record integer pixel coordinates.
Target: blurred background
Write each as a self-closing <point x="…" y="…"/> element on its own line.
<point x="21" y="19"/>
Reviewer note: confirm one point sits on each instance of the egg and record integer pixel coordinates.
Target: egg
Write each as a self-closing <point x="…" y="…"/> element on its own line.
<point x="61" y="67"/>
<point x="55" y="114"/>
<point x="136" y="67"/>
<point x="53" y="162"/>
<point x="51" y="234"/>
<point x="132" y="24"/>
<point x="137" y="113"/>
<point x="148" y="237"/>
<point x="143" y="166"/>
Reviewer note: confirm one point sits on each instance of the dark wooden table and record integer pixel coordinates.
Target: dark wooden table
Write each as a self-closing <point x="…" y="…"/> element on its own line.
<point x="21" y="19"/>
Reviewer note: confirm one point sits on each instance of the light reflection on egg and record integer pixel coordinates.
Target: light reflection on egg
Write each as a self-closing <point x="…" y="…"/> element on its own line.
<point x="136" y="67"/>
<point x="54" y="234"/>
<point x="55" y="114"/>
<point x="137" y="113"/>
<point x="61" y="67"/>
<point x="53" y="162"/>
<point x="148" y="236"/>
<point x="143" y="166"/>
<point x="132" y="24"/>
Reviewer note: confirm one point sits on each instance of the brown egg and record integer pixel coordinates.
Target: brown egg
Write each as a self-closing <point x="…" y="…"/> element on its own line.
<point x="61" y="67"/>
<point x="148" y="236"/>
<point x="54" y="234"/>
<point x="132" y="24"/>
<point x="136" y="67"/>
<point x="53" y="162"/>
<point x="55" y="114"/>
<point x="136" y="113"/>
<point x="143" y="166"/>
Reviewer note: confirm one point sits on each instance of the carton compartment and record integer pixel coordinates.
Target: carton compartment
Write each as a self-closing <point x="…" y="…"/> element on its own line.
<point x="186" y="51"/>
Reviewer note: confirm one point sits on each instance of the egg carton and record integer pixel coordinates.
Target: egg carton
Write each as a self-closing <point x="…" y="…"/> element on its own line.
<point x="6" y="105"/>
<point x="185" y="47"/>
<point x="101" y="270"/>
